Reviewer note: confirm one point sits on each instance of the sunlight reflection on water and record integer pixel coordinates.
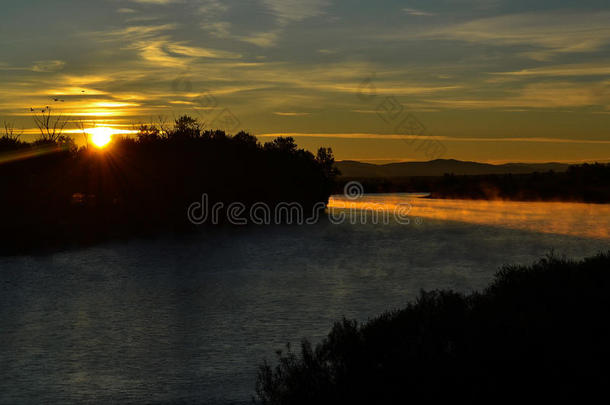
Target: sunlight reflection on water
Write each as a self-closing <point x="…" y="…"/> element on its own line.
<point x="576" y="219"/>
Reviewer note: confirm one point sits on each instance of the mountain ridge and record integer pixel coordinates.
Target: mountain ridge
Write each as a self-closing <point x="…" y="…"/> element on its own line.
<point x="438" y="167"/>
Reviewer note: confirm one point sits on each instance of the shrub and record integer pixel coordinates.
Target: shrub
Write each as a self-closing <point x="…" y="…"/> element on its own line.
<point x="536" y="331"/>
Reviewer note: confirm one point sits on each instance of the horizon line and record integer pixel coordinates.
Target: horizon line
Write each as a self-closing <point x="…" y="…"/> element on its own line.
<point x="360" y="135"/>
<point x="491" y="162"/>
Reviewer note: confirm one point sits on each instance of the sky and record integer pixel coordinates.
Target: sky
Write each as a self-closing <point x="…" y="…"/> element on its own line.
<point x="485" y="80"/>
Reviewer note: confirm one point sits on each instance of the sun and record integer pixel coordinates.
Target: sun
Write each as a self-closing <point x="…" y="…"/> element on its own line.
<point x="101" y="136"/>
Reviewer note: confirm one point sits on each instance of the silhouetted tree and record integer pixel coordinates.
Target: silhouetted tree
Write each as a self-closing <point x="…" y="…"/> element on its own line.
<point x="148" y="133"/>
<point x="186" y="127"/>
<point x="246" y="139"/>
<point x="282" y="144"/>
<point x="145" y="183"/>
<point x="326" y="159"/>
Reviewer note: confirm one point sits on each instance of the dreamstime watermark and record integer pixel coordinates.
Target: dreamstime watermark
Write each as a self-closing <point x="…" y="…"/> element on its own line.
<point x="393" y="112"/>
<point x="220" y="117"/>
<point x="352" y="208"/>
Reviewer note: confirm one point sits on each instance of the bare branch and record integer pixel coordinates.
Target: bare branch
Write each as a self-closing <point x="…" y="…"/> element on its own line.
<point x="10" y="132"/>
<point x="51" y="126"/>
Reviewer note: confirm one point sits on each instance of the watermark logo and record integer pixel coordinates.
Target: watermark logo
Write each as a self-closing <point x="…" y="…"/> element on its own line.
<point x="394" y="114"/>
<point x="206" y="106"/>
<point x="352" y="207"/>
<point x="353" y="190"/>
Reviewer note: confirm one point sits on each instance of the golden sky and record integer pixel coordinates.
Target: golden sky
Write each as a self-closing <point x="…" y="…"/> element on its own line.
<point x="492" y="80"/>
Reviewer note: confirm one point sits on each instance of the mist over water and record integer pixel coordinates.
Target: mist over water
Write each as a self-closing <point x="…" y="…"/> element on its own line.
<point x="189" y="318"/>
<point x="576" y="219"/>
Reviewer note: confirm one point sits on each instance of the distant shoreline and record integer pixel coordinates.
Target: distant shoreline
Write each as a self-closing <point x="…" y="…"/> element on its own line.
<point x="577" y="184"/>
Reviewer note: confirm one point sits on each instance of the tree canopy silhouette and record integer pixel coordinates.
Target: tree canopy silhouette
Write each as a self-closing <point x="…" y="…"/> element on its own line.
<point x="145" y="183"/>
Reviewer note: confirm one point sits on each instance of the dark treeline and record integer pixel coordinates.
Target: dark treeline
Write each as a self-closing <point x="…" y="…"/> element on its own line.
<point x="53" y="192"/>
<point x="580" y="183"/>
<point x="538" y="333"/>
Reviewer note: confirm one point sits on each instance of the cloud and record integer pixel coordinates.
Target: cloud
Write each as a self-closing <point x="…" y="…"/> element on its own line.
<point x="131" y="33"/>
<point x="553" y="32"/>
<point x="211" y="11"/>
<point x="175" y="54"/>
<point x="389" y="89"/>
<point x="419" y="13"/>
<point x="211" y="8"/>
<point x="154" y="44"/>
<point x="219" y="29"/>
<point x="157" y="1"/>
<point x="262" y="39"/>
<point x="563" y="70"/>
<point x="286" y="11"/>
<point x="538" y="95"/>
<point x="390" y="137"/>
<point x="84" y="80"/>
<point x="48" y="66"/>
<point x="291" y="114"/>
<point x="196" y="52"/>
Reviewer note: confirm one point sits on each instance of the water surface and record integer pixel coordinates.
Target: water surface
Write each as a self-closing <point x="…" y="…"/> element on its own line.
<point x="187" y="319"/>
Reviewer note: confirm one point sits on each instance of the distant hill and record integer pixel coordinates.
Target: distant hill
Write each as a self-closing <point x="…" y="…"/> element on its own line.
<point x="439" y="167"/>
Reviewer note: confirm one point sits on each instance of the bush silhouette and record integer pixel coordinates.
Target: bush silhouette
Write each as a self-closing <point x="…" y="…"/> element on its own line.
<point x="537" y="332"/>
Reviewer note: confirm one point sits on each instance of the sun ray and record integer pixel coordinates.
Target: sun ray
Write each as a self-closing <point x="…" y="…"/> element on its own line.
<point x="101" y="136"/>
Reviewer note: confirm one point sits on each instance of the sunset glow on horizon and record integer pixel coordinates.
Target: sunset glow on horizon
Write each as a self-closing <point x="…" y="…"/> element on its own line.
<point x="494" y="81"/>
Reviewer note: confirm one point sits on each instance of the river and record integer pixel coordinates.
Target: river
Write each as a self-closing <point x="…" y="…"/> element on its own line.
<point x="188" y="319"/>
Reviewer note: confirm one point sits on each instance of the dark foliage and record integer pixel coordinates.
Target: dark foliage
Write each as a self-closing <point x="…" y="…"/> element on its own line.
<point x="537" y="333"/>
<point x="53" y="193"/>
<point x="580" y="183"/>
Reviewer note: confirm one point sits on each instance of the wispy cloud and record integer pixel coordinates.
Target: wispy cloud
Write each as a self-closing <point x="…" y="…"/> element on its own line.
<point x="156" y="1"/>
<point x="563" y="70"/>
<point x="295" y="10"/>
<point x="131" y="33"/>
<point x="154" y="44"/>
<point x="552" y="32"/>
<point x="419" y="13"/>
<point x="392" y="137"/>
<point x="219" y="29"/>
<point x="212" y="8"/>
<point x="48" y="66"/>
<point x="43" y="66"/>
<point x="262" y="39"/>
<point x="211" y="12"/>
<point x="292" y="114"/>
<point x="197" y="52"/>
<point x="538" y="95"/>
<point x="388" y="89"/>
